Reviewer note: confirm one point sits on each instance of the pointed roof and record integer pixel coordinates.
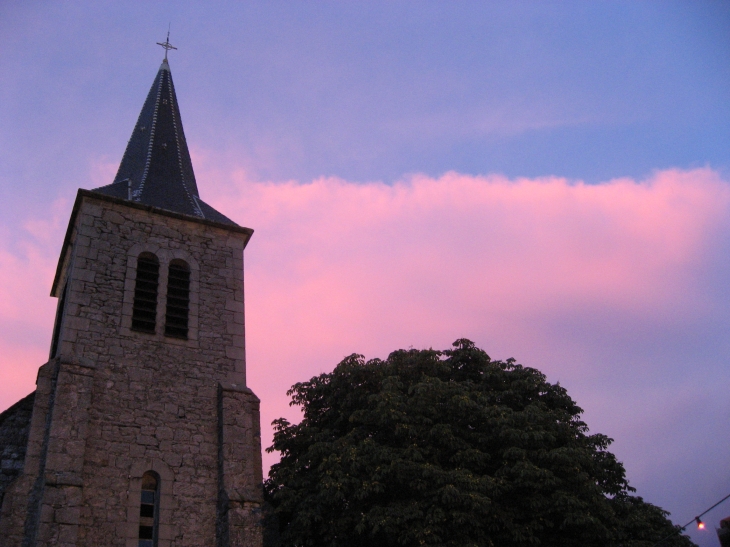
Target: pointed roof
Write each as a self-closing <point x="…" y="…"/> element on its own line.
<point x="156" y="168"/>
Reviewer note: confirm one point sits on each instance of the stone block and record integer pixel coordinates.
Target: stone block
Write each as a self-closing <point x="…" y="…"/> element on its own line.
<point x="77" y="323"/>
<point x="234" y="305"/>
<point x="113" y="217"/>
<point x="67" y="515"/>
<point x="233" y="352"/>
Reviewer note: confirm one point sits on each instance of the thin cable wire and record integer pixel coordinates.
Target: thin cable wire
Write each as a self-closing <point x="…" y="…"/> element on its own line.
<point x="682" y="529"/>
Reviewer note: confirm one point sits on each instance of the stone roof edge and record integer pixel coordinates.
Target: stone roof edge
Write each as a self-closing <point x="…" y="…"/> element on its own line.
<point x="248" y="232"/>
<point x="5" y="413"/>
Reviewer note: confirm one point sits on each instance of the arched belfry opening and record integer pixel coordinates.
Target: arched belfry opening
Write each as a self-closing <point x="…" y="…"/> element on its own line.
<point x="178" y="299"/>
<point x="144" y="311"/>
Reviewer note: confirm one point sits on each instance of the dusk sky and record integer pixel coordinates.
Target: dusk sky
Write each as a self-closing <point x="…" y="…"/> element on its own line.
<point x="548" y="179"/>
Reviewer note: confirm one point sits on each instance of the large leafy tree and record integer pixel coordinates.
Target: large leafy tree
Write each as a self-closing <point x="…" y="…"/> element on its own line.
<point x="449" y="448"/>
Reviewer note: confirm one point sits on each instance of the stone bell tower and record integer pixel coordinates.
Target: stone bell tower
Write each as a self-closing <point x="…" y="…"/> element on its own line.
<point x="143" y="432"/>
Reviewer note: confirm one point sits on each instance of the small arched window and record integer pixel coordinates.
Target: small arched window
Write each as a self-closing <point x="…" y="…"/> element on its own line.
<point x="178" y="299"/>
<point x="149" y="510"/>
<point x="144" y="310"/>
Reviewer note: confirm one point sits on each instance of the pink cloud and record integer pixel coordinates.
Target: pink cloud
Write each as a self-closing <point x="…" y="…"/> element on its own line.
<point x="26" y="316"/>
<point x="596" y="285"/>
<point x="523" y="267"/>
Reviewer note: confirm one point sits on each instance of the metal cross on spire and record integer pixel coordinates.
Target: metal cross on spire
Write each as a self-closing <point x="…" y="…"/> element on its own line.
<point x="166" y="44"/>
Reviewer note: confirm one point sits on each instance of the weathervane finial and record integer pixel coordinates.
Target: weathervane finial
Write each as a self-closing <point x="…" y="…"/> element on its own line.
<point x="166" y="44"/>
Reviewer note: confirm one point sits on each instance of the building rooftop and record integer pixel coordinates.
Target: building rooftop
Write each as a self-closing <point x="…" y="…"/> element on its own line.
<point x="156" y="168"/>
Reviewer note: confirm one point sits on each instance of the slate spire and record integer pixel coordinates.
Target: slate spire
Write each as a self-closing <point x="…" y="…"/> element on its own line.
<point x="156" y="168"/>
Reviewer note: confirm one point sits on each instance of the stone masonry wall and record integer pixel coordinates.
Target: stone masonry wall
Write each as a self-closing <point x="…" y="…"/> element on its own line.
<point x="133" y="402"/>
<point x="14" y="427"/>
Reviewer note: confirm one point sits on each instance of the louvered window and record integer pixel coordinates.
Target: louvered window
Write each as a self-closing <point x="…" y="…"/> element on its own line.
<point x="144" y="311"/>
<point x="178" y="300"/>
<point x="148" y="510"/>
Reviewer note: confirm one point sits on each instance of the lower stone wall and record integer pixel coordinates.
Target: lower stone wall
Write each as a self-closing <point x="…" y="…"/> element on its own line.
<point x="14" y="428"/>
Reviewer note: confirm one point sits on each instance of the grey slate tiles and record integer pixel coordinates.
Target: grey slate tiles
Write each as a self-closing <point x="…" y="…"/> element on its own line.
<point x="156" y="168"/>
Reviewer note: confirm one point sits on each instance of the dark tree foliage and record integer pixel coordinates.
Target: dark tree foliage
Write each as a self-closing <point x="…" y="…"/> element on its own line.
<point x="449" y="448"/>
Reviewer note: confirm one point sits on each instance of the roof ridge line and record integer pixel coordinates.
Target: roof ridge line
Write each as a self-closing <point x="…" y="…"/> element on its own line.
<point x="195" y="205"/>
<point x="138" y="193"/>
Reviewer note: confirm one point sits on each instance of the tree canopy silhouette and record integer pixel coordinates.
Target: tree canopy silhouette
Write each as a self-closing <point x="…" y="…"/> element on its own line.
<point x="449" y="448"/>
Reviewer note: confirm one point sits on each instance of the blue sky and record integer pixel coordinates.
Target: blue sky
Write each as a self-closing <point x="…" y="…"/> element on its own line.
<point x="373" y="90"/>
<point x="381" y="92"/>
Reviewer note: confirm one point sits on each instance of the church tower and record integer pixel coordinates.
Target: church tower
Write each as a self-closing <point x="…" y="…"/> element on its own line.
<point x="143" y="432"/>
